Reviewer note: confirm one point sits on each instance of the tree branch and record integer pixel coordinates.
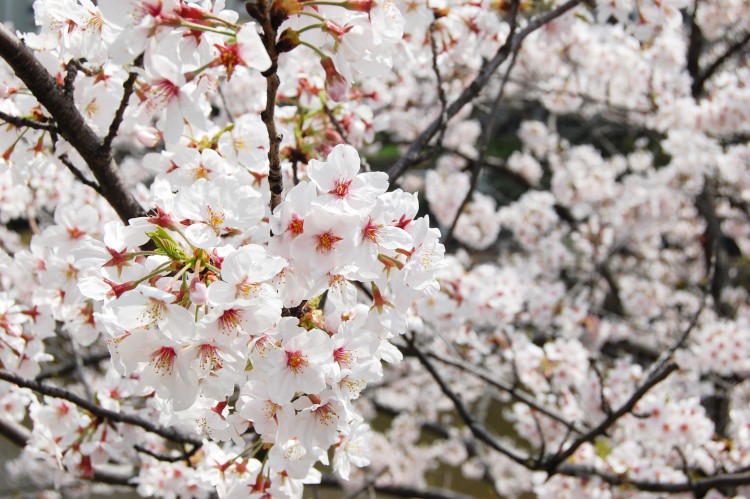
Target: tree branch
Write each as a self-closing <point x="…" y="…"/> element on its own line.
<point x="510" y="390"/>
<point x="127" y="91"/>
<point x="185" y="456"/>
<point x="275" y="180"/>
<point x="67" y="368"/>
<point x="413" y="152"/>
<point x="696" y="486"/>
<point x="20" y="436"/>
<point x="21" y="122"/>
<point x="489" y="127"/>
<point x="439" y="84"/>
<point x="78" y="173"/>
<point x="71" y="124"/>
<point x="117" y="417"/>
<point x="551" y="464"/>
<point x="477" y="429"/>
<point x="699" y="83"/>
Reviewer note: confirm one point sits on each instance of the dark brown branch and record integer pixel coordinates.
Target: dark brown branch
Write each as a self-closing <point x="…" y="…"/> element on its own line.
<point x="477" y="429"/>
<point x="694" y="46"/>
<point x="127" y="92"/>
<point x="72" y="126"/>
<point x="275" y="180"/>
<point x="414" y="151"/>
<point x="510" y="390"/>
<point x="78" y="173"/>
<point x="14" y="432"/>
<point x="489" y="129"/>
<point x="185" y="456"/>
<point x="716" y="257"/>
<point x="20" y="436"/>
<point x="21" y="122"/>
<point x="696" y="486"/>
<point x="552" y="464"/>
<point x="71" y="72"/>
<point x="116" y="417"/>
<point x="613" y="297"/>
<point x="699" y="82"/>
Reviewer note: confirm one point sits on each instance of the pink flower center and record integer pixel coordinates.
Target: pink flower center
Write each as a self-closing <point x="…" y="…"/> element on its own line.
<point x="370" y="232"/>
<point x="342" y="188"/>
<point x="164" y="91"/>
<point x="296" y="361"/>
<point x="326" y="415"/>
<point x="209" y="357"/>
<point x="229" y="57"/>
<point x="215" y="218"/>
<point x="296" y="226"/>
<point x="75" y="233"/>
<point x="230" y="321"/>
<point x="342" y="356"/>
<point x="163" y="360"/>
<point x="326" y="241"/>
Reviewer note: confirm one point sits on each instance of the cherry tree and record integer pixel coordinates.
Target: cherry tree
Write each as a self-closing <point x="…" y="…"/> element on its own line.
<point x="224" y="267"/>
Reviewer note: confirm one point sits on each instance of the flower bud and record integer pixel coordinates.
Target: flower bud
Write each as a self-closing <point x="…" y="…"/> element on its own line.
<point x="336" y="86"/>
<point x="198" y="292"/>
<point x="148" y="136"/>
<point x="360" y="5"/>
<point x="288" y="40"/>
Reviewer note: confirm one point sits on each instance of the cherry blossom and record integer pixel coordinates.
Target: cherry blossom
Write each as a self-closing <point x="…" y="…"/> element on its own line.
<point x="213" y="282"/>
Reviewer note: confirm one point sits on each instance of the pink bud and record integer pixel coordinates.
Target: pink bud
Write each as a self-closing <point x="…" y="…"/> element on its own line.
<point x="148" y="136"/>
<point x="336" y="86"/>
<point x="360" y="5"/>
<point x="198" y="292"/>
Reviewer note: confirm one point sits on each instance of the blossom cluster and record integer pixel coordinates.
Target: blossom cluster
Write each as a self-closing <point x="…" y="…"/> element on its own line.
<point x="268" y="339"/>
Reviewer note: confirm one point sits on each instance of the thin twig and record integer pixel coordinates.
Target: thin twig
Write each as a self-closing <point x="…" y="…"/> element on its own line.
<point x="72" y="125"/>
<point x="185" y="456"/>
<point x="415" y="151"/>
<point x="551" y="465"/>
<point x="477" y="429"/>
<point x="225" y="103"/>
<point x="80" y="374"/>
<point x="336" y="124"/>
<point x="489" y="129"/>
<point x="116" y="417"/>
<point x="78" y="173"/>
<point x="344" y="135"/>
<point x="700" y="82"/>
<point x="21" y="122"/>
<point x="510" y="390"/>
<point x="127" y="92"/>
<point x="275" y="180"/>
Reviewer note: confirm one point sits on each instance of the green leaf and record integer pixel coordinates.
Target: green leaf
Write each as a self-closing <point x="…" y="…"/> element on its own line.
<point x="165" y="245"/>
